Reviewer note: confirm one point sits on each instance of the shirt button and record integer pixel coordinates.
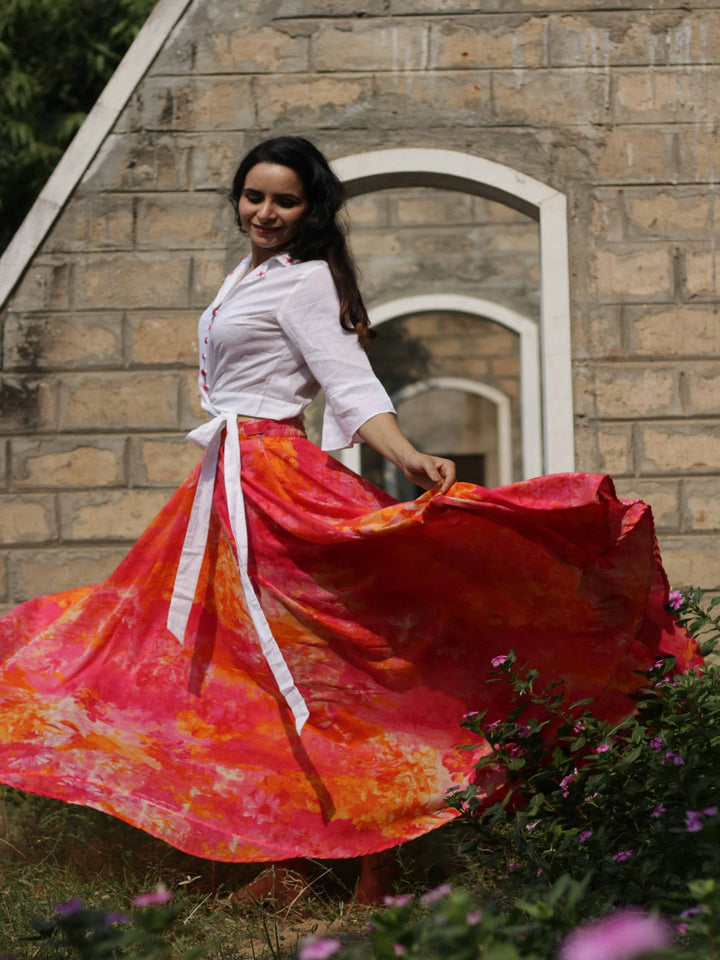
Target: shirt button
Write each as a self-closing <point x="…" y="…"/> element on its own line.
<point x="204" y="372"/>
<point x="204" y="356"/>
<point x="205" y="387"/>
<point x="206" y="339"/>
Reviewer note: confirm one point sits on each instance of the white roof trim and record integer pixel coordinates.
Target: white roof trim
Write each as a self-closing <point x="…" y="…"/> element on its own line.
<point x="87" y="141"/>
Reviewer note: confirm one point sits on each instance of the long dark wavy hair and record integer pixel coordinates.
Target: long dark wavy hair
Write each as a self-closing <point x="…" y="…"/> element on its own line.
<point x="322" y="236"/>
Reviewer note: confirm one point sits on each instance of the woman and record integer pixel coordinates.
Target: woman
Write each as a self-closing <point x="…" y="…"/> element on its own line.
<point x="279" y="666"/>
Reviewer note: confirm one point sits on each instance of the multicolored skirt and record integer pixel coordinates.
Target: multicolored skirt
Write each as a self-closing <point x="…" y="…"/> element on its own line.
<point x="387" y="614"/>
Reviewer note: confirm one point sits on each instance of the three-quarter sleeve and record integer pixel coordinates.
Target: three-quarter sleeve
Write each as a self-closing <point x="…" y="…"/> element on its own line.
<point x="310" y="318"/>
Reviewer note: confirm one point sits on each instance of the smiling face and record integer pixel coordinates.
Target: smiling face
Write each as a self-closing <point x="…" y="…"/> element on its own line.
<point x="271" y="208"/>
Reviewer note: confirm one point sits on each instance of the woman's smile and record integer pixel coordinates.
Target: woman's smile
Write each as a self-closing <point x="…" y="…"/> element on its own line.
<point x="271" y="208"/>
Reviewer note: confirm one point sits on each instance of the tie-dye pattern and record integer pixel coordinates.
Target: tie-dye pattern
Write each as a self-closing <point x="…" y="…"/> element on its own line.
<point x="388" y="616"/>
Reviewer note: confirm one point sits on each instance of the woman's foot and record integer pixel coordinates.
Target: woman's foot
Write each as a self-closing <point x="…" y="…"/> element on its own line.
<point x="378" y="874"/>
<point x="283" y="881"/>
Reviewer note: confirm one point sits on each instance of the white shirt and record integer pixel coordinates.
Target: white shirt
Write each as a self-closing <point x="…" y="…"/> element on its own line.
<point x="268" y="342"/>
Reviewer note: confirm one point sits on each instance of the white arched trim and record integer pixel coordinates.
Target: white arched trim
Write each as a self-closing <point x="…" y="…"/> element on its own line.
<point x="451" y="170"/>
<point x="87" y="141"/>
<point x="502" y="405"/>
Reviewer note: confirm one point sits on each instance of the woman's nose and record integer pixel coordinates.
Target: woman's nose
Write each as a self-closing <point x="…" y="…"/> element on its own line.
<point x="266" y="212"/>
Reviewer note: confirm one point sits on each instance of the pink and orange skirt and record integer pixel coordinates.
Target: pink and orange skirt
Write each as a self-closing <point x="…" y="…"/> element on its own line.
<point x="388" y="615"/>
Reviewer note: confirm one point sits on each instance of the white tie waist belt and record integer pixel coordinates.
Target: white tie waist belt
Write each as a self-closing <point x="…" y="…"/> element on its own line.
<point x="209" y="435"/>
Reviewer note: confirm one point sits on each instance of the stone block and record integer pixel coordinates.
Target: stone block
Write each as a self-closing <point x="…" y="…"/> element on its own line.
<point x="698" y="147"/>
<point x="215" y="159"/>
<point x="672" y="448"/>
<point x="607" y="216"/>
<point x="663" y="95"/>
<point x="183" y="221"/>
<point x="93" y="222"/>
<point x="314" y="101"/>
<point x="140" y="160"/>
<point x="191" y="413"/>
<point x="433" y="99"/>
<point x="610" y="38"/>
<point x="662" y="495"/>
<point x="614" y="449"/>
<point x="377" y="243"/>
<point x="110" y="515"/>
<point x="701" y="503"/>
<point x="702" y="382"/>
<point x="637" y="154"/>
<point x="694" y="38"/>
<point x="209" y="271"/>
<point x="27" y="403"/>
<point x="125" y="281"/>
<point x="119" y="401"/>
<point x="674" y="331"/>
<point x="691" y="561"/>
<point x="631" y="274"/>
<point x="39" y="341"/>
<point x="27" y="518"/>
<point x="428" y="206"/>
<point x="368" y="210"/>
<point x="547" y="97"/>
<point x="331" y="8"/>
<point x="629" y="391"/>
<point x="68" y="462"/>
<point x="35" y="573"/>
<point x="193" y="104"/>
<point x="597" y="333"/>
<point x="162" y="461"/>
<point x="371" y="45"/>
<point x="252" y="49"/>
<point x="162" y="338"/>
<point x="668" y="214"/>
<point x="45" y="286"/>
<point x="483" y="42"/>
<point x="3" y="580"/>
<point x="700" y="273"/>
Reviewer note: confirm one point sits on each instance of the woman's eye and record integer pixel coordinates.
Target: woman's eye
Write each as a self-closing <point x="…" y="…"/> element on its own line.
<point x="253" y="197"/>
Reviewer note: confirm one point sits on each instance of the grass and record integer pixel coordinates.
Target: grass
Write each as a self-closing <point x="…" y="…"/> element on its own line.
<point x="52" y="851"/>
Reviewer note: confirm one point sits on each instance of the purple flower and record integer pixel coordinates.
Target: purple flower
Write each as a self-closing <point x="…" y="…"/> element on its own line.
<point x="693" y="821"/>
<point x="657" y="743"/>
<point x="437" y="894"/>
<point x="523" y="730"/>
<point x="675" y="599"/>
<point x="579" y="727"/>
<point x="398" y="950"/>
<point x="676" y="759"/>
<point x="603" y="748"/>
<point x="159" y="895"/>
<point x="585" y="835"/>
<point x="117" y="918"/>
<point x="622" y="855"/>
<point x="619" y="936"/>
<point x="658" y="811"/>
<point x="513" y="866"/>
<point x="681" y="928"/>
<point x="398" y="901"/>
<point x="318" y="948"/>
<point x="710" y="811"/>
<point x="498" y="661"/>
<point x="692" y="912"/>
<point x="473" y="918"/>
<point x="71" y="906"/>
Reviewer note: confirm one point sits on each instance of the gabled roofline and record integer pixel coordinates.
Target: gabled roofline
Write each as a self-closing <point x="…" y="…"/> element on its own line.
<point x="86" y="142"/>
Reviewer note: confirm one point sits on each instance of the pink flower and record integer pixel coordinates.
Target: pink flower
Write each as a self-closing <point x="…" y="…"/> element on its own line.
<point x="710" y="811"/>
<point x="70" y="906"/>
<point x="657" y="743"/>
<point x="677" y="760"/>
<point x="622" y="855"/>
<point x="473" y="918"/>
<point x="675" y="599"/>
<point x="658" y="811"/>
<point x="523" y="730"/>
<point x="437" y="894"/>
<point x="471" y="713"/>
<point x="159" y="895"/>
<point x="579" y="727"/>
<point x="694" y="818"/>
<point x="681" y="928"/>
<point x="318" y="949"/>
<point x="498" y="661"/>
<point x="566" y="781"/>
<point x="619" y="936"/>
<point x="398" y="949"/>
<point x="585" y="835"/>
<point x="531" y="826"/>
<point x="398" y="901"/>
<point x="513" y="866"/>
<point x="603" y="748"/>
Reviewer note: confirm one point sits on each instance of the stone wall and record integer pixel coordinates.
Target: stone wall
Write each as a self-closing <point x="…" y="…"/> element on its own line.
<point x="616" y="108"/>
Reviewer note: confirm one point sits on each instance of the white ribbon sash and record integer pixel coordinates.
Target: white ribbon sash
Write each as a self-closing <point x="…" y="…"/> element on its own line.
<point x="209" y="435"/>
